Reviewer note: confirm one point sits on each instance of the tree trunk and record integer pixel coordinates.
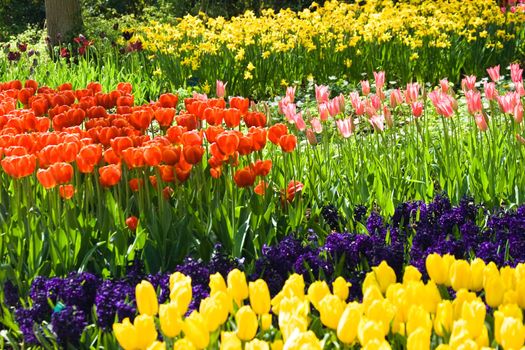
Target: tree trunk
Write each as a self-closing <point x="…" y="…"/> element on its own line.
<point x="63" y="20"/>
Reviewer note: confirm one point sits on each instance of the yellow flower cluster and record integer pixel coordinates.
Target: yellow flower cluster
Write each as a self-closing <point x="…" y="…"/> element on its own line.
<point x="411" y="309"/>
<point x="331" y="28"/>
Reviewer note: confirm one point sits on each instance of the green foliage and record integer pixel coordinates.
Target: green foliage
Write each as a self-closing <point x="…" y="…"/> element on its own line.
<point x="16" y="15"/>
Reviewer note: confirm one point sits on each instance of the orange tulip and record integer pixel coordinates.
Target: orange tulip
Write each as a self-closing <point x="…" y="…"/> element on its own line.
<point x="110" y="175"/>
<point x="214" y="115"/>
<point x="257" y="119"/>
<point x="166" y="173"/>
<point x="46" y="178"/>
<point x="193" y="154"/>
<point x="152" y="155"/>
<point x="244" y="177"/>
<point x="261" y="187"/>
<point x="187" y="120"/>
<point x="262" y="167"/>
<point x="212" y="132"/>
<point x="168" y="100"/>
<point x="66" y="191"/>
<point x="135" y="184"/>
<point x="174" y="134"/>
<point x="240" y="103"/>
<point x="19" y="166"/>
<point x="276" y="131"/>
<point x="245" y="145"/>
<point x="164" y="116"/>
<point x="232" y="117"/>
<point x="228" y="142"/>
<point x="288" y="143"/>
<point x="62" y="172"/>
<point x="141" y="119"/>
<point x="132" y="223"/>
<point x="171" y="155"/>
<point x="259" y="138"/>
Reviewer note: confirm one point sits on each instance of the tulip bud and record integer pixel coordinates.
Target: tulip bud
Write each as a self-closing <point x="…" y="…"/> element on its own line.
<point x="411" y="274"/>
<point x="437" y="268"/>
<point x="146" y="297"/>
<point x="302" y="340"/>
<point x="266" y="321"/>
<point x="195" y="329"/>
<point x="347" y="326"/>
<point x="170" y="319"/>
<point x="477" y="266"/>
<point x="444" y="318"/>
<point x="385" y="276"/>
<point x="157" y="345"/>
<point x="494" y="290"/>
<point x="229" y="341"/>
<point x="317" y="291"/>
<point x="213" y="312"/>
<point x="180" y="291"/>
<point x="294" y="286"/>
<point x="184" y="344"/>
<point x="474" y="313"/>
<point x="277" y="345"/>
<point x="217" y="283"/>
<point x="512" y="333"/>
<point x="368" y="331"/>
<point x="237" y="286"/>
<point x="246" y="323"/>
<point x="331" y="308"/>
<point x="460" y="275"/>
<point x="418" y="318"/>
<point x="341" y="288"/>
<point x="125" y="334"/>
<point x="257" y="344"/>
<point x="145" y="330"/>
<point x="419" y="339"/>
<point x="259" y="297"/>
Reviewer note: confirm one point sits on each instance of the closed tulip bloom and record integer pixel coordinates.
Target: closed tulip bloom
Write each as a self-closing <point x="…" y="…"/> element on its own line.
<point x="266" y="321"/>
<point x="437" y="268"/>
<point x="369" y="330"/>
<point x="477" y="266"/>
<point x="444" y="318"/>
<point x="460" y="275"/>
<point x="347" y="326"/>
<point x="146" y="297"/>
<point x="180" y="291"/>
<point x="317" y="291"/>
<point x="460" y="335"/>
<point x="383" y="312"/>
<point x="237" y="286"/>
<point x="125" y="334"/>
<point x="145" y="330"/>
<point x="418" y="318"/>
<point x="331" y="308"/>
<point x="230" y="341"/>
<point x="217" y="283"/>
<point x="512" y="333"/>
<point x="494" y="291"/>
<point x="259" y="297"/>
<point x="302" y="340"/>
<point x="184" y="344"/>
<point x="195" y="329"/>
<point x="385" y="276"/>
<point x="257" y="344"/>
<point x="246" y="323"/>
<point x="411" y="274"/>
<point x="419" y="339"/>
<point x="277" y="345"/>
<point x="474" y="314"/>
<point x="508" y="275"/>
<point x="341" y="288"/>
<point x="157" y="345"/>
<point x="377" y="344"/>
<point x="170" y="319"/>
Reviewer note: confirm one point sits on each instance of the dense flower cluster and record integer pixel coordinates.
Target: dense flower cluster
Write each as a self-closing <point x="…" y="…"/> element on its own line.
<point x="419" y="314"/>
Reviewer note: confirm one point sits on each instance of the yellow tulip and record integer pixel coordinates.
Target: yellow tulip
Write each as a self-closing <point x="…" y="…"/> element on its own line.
<point x="460" y="335"/>
<point x="170" y="320"/>
<point x="444" y="318"/>
<point x="157" y="345"/>
<point x="511" y="310"/>
<point x="460" y="275"/>
<point x="418" y="318"/>
<point x="370" y="294"/>
<point x="277" y="345"/>
<point x="377" y="344"/>
<point x="383" y="312"/>
<point x="294" y="286"/>
<point x="494" y="289"/>
<point x="411" y="274"/>
<point x="247" y="324"/>
<point x="213" y="312"/>
<point x="477" y="266"/>
<point x="125" y="334"/>
<point x="419" y="339"/>
<point x="520" y="292"/>
<point x="146" y="298"/>
<point x="302" y="340"/>
<point x="385" y="276"/>
<point x="483" y="339"/>
<point x="230" y="341"/>
<point x="370" y="280"/>
<point x="259" y="297"/>
<point x="237" y="286"/>
<point x="347" y="326"/>
<point x="437" y="268"/>
<point x="341" y="288"/>
<point x="491" y="270"/>
<point x="474" y="314"/>
<point x="217" y="283"/>
<point x="461" y="296"/>
<point x="145" y="330"/>
<point x="331" y="308"/>
<point x="430" y="297"/>
<point x="257" y="344"/>
<point x="317" y="291"/>
<point x="180" y="291"/>
<point x="266" y="321"/>
<point x="184" y="344"/>
<point x="195" y="329"/>
<point x="443" y="347"/>
<point x="369" y="330"/>
<point x="512" y="333"/>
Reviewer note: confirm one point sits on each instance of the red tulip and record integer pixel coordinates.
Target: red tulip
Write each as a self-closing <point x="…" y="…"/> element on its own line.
<point x="46" y="178"/>
<point x="244" y="177"/>
<point x="288" y="143"/>
<point x="66" y="191"/>
<point x="276" y="131"/>
<point x="110" y="175"/>
<point x="132" y="223"/>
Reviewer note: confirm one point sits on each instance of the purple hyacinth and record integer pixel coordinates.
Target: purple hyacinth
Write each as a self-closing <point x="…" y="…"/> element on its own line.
<point x="11" y="296"/>
<point x="68" y="325"/>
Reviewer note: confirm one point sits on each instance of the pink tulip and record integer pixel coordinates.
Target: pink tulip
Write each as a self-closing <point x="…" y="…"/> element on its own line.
<point x="282" y="103"/>
<point x="299" y="121"/>
<point x="508" y="101"/>
<point x="310" y="136"/>
<point x="365" y="87"/>
<point x="377" y="122"/>
<point x="323" y="111"/>
<point x="334" y="108"/>
<point x="412" y="92"/>
<point x="380" y="94"/>
<point x="345" y="126"/>
<point x="473" y="101"/>
<point x="469" y="82"/>
<point x="380" y="79"/>
<point x="443" y="103"/>
<point x="417" y="109"/>
<point x="376" y="102"/>
<point x="321" y="93"/>
<point x="220" y="88"/>
<point x="516" y="74"/>
<point x="443" y="83"/>
<point x="357" y="103"/>
<point x="494" y="73"/>
<point x="481" y="122"/>
<point x="519" y="88"/>
<point x="490" y="90"/>
<point x="316" y="125"/>
<point x="290" y="93"/>
<point x="396" y="98"/>
<point x="388" y="116"/>
<point x="341" y="101"/>
<point x="290" y="111"/>
<point x="200" y="97"/>
<point x="518" y="113"/>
